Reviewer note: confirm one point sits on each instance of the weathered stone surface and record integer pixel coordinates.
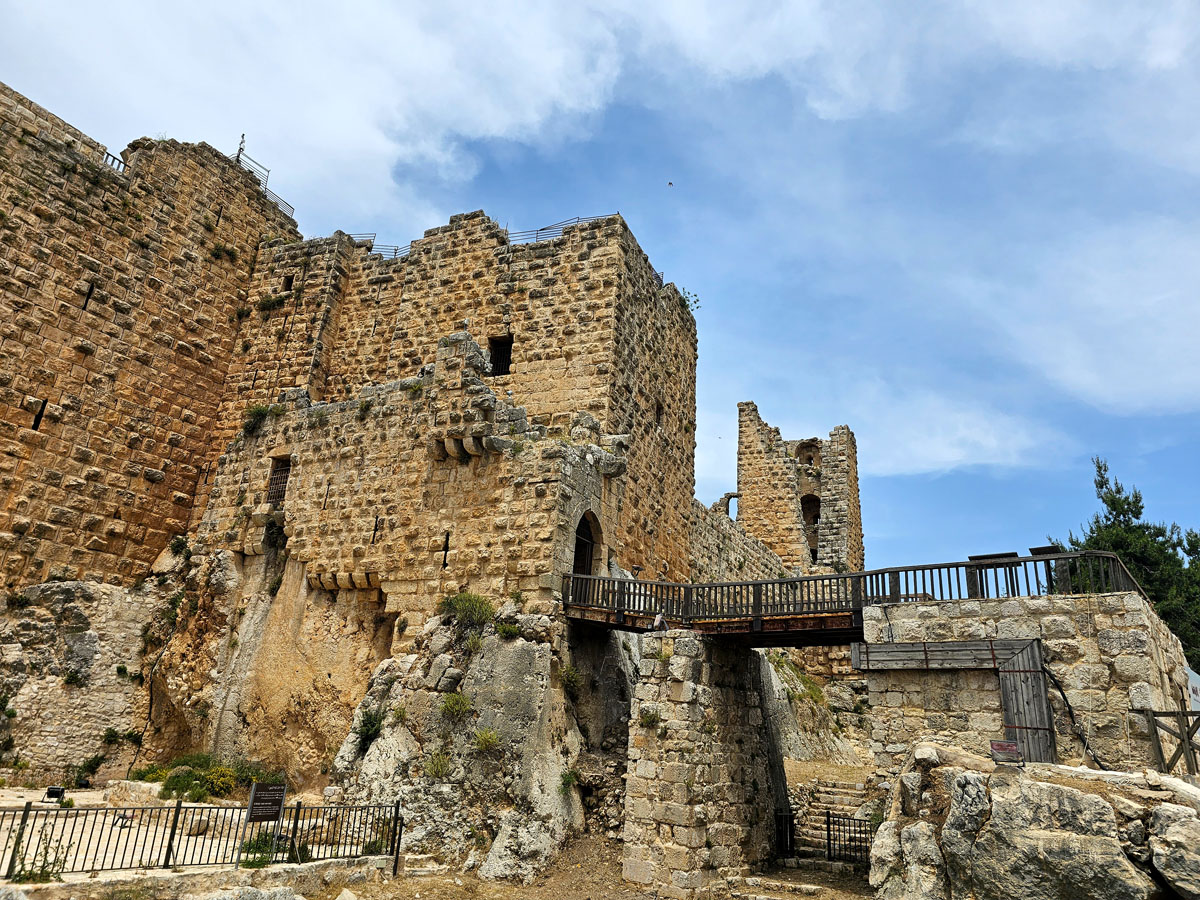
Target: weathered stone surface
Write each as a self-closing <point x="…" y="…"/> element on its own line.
<point x="1175" y="848"/>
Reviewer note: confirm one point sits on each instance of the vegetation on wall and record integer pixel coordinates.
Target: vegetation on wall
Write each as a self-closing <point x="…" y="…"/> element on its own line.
<point x="1164" y="558"/>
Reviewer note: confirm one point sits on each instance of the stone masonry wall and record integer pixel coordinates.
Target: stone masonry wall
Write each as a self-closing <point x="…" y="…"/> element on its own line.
<point x="592" y="331"/>
<point x="117" y="294"/>
<point x="421" y="487"/>
<point x="840" y="537"/>
<point x="800" y="498"/>
<point x="723" y="551"/>
<point x="1111" y="653"/>
<point x="699" y="800"/>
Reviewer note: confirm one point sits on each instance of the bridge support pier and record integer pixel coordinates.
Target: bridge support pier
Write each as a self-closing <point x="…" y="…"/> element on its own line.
<point x="699" y="798"/>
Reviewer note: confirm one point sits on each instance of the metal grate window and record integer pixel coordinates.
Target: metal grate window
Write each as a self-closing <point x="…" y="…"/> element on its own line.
<point x="277" y="486"/>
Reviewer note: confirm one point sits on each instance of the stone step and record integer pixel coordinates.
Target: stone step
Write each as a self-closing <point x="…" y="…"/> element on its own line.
<point x="844" y="785"/>
<point x="423" y="864"/>
<point x="762" y="883"/>
<point x="812" y="862"/>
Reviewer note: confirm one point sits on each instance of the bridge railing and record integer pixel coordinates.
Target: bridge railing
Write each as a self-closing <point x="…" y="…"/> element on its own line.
<point x="978" y="578"/>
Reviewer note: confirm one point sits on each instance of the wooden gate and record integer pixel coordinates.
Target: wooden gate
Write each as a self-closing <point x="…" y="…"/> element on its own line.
<point x="1024" y="699"/>
<point x="1025" y="704"/>
<point x="1182" y="725"/>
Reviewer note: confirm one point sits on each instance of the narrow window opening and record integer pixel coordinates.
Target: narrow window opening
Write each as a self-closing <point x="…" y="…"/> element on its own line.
<point x="446" y="552"/>
<point x="500" y="349"/>
<point x="88" y="298"/>
<point x="277" y="484"/>
<point x="220" y="212"/>
<point x="375" y="530"/>
<point x="288" y="281"/>
<point x="37" y="420"/>
<point x="325" y="499"/>
<point x="658" y="413"/>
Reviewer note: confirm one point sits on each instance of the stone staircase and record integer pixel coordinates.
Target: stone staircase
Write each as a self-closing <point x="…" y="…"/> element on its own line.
<point x="842" y="798"/>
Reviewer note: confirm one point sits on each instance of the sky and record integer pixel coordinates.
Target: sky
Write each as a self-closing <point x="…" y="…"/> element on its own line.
<point x="970" y="231"/>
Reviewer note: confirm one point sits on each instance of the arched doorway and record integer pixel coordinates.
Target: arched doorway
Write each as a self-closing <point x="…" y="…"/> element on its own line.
<point x="586" y="538"/>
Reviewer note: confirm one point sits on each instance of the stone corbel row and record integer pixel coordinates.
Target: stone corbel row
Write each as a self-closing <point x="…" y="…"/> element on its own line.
<point x="343" y="581"/>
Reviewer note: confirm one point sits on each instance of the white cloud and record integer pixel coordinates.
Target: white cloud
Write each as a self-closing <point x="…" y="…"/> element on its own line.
<point x="1111" y="316"/>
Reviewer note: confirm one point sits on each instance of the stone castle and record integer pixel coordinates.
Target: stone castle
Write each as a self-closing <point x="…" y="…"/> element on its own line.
<point x="241" y="471"/>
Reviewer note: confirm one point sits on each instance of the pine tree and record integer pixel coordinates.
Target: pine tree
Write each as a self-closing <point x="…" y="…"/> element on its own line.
<point x="1163" y="558"/>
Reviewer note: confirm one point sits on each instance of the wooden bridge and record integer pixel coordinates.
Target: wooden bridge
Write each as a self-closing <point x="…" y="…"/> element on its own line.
<point x="827" y="609"/>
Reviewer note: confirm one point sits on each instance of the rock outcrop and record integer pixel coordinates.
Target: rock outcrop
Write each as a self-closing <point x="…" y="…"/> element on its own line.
<point x="961" y="827"/>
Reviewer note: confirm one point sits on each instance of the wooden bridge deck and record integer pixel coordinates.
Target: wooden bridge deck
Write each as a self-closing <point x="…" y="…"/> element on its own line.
<point x="817" y="610"/>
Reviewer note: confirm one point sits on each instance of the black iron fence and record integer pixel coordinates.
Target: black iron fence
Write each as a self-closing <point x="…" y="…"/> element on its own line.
<point x="40" y="844"/>
<point x="114" y="162"/>
<point x="848" y="839"/>
<point x="978" y="578"/>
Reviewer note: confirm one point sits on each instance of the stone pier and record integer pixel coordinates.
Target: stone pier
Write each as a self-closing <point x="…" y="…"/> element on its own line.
<point x="700" y="797"/>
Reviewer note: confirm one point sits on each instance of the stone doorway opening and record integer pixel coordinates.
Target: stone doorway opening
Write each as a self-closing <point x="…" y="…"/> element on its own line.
<point x="587" y="536"/>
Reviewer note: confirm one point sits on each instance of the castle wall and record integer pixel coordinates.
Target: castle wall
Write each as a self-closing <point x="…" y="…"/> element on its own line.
<point x="800" y="498"/>
<point x="421" y="487"/>
<point x="839" y="536"/>
<point x="698" y="797"/>
<point x="1111" y="652"/>
<point x="722" y="550"/>
<point x="117" y="300"/>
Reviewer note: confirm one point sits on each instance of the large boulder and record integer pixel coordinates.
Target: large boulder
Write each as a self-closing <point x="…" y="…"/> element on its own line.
<point x="1175" y="848"/>
<point x="1008" y="835"/>
<point x="1038" y="841"/>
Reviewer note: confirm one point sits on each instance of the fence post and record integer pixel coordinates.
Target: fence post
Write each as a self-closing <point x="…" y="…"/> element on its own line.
<point x="12" y="863"/>
<point x="166" y="863"/>
<point x="828" y="835"/>
<point x="756" y="612"/>
<point x="687" y="606"/>
<point x="894" y="586"/>
<point x="294" y="839"/>
<point x="620" y="609"/>
<point x="1189" y="753"/>
<point x="397" y="824"/>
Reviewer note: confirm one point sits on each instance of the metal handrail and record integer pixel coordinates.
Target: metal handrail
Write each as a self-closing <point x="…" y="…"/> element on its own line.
<point x="114" y="162"/>
<point x="982" y="578"/>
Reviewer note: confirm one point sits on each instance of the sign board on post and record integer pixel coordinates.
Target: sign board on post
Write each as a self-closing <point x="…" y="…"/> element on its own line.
<point x="266" y="802"/>
<point x="1007" y="752"/>
<point x="265" y="805"/>
<point x="1193" y="689"/>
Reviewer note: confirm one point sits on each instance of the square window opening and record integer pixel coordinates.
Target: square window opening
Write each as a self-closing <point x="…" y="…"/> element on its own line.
<point x="288" y="281"/>
<point x="500" y="350"/>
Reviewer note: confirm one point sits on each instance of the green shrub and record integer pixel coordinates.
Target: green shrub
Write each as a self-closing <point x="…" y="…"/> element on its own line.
<point x="508" y="631"/>
<point x="74" y="678"/>
<point x="474" y="642"/>
<point x="299" y="853"/>
<point x="122" y="670"/>
<point x="456" y="707"/>
<point x="364" y="407"/>
<point x="10" y="713"/>
<point x="369" y="727"/>
<point x="376" y="846"/>
<point x="80" y="775"/>
<point x="399" y="716"/>
<point x="111" y="736"/>
<point x="571" y="681"/>
<point x="66" y="803"/>
<point x="17" y="600"/>
<point x="7" y="743"/>
<point x="567" y="783"/>
<point x="437" y="765"/>
<point x="467" y="610"/>
<point x="276" y="582"/>
<point x="270" y="302"/>
<point x="487" y="740"/>
<point x="178" y="544"/>
<point x="197" y="793"/>
<point x="256" y="852"/>
<point x="255" y="416"/>
<point x="134" y="737"/>
<point x="648" y="718"/>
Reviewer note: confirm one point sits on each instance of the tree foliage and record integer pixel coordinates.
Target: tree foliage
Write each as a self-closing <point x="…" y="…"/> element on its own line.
<point x="1165" y="559"/>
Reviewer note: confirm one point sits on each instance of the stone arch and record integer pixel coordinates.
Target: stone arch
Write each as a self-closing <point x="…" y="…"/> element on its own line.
<point x="588" y="540"/>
